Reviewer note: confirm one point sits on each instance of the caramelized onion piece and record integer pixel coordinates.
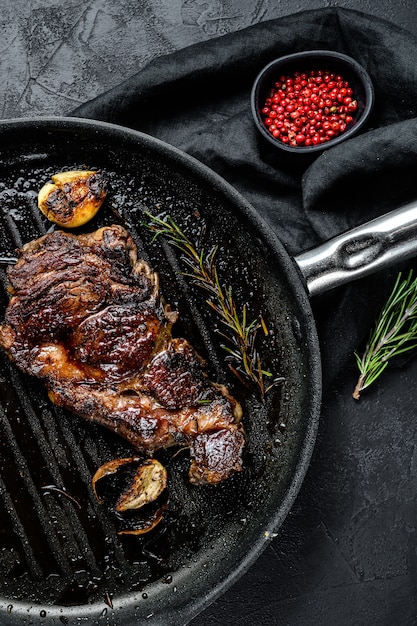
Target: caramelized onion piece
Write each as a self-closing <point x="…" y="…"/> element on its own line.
<point x="73" y="198"/>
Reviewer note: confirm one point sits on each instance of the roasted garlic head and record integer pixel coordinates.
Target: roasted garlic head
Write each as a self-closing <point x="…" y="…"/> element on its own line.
<point x="73" y="198"/>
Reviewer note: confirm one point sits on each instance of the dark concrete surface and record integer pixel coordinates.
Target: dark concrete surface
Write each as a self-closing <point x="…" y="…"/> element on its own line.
<point x="56" y="55"/>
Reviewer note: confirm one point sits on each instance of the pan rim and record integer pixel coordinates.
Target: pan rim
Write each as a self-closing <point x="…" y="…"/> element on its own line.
<point x="126" y="602"/>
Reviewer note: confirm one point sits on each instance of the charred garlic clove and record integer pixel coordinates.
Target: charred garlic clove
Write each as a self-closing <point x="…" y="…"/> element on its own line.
<point x="148" y="483"/>
<point x="73" y="198"/>
<point x="145" y="526"/>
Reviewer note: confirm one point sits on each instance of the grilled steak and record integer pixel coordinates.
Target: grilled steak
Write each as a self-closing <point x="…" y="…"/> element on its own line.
<point x="85" y="316"/>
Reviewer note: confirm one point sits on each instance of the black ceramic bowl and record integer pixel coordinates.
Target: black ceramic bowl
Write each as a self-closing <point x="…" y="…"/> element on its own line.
<point x="313" y="63"/>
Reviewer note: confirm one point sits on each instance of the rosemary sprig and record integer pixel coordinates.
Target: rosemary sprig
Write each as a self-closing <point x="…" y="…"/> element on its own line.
<point x="240" y="335"/>
<point x="395" y="332"/>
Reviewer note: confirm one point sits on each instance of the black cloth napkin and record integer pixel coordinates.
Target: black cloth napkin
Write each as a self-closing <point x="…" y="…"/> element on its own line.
<point x="347" y="552"/>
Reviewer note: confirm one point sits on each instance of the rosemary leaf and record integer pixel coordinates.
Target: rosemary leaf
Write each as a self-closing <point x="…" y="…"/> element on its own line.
<point x="239" y="333"/>
<point x="395" y="332"/>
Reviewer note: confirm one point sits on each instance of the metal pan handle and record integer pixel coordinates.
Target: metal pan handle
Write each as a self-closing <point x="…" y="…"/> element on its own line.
<point x="380" y="243"/>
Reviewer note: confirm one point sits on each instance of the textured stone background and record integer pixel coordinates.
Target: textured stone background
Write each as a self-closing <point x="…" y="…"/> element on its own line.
<point x="57" y="54"/>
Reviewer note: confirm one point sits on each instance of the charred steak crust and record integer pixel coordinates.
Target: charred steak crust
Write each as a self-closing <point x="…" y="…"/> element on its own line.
<point x="85" y="315"/>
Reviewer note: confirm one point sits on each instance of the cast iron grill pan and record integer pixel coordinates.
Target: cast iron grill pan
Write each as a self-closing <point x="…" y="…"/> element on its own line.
<point x="60" y="555"/>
